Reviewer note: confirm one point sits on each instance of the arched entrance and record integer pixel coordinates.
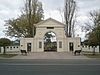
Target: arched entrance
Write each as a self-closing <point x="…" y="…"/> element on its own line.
<point x="50" y="42"/>
<point x="56" y="42"/>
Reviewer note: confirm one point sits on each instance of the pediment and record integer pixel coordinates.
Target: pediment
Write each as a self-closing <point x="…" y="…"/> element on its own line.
<point x="50" y="23"/>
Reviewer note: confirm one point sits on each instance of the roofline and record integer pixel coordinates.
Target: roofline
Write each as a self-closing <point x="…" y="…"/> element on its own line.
<point x="49" y="19"/>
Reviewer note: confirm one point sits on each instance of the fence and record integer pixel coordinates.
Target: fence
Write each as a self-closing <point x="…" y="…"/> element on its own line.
<point x="17" y="49"/>
<point x="90" y="48"/>
<point x="11" y="49"/>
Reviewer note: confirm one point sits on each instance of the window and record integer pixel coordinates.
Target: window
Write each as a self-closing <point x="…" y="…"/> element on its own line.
<point x="60" y="44"/>
<point x="40" y="44"/>
<point x="50" y="27"/>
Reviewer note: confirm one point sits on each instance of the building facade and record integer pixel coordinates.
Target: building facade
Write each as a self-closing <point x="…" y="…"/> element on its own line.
<point x="36" y="44"/>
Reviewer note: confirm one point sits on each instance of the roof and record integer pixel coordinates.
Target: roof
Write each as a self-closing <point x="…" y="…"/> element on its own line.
<point x="49" y="19"/>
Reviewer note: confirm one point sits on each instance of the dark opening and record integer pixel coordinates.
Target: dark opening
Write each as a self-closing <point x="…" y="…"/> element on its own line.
<point x="28" y="47"/>
<point x="50" y="42"/>
<point x="71" y="46"/>
<point x="50" y="27"/>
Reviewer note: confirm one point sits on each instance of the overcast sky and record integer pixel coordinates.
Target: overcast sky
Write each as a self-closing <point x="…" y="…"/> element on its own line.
<point x="11" y="9"/>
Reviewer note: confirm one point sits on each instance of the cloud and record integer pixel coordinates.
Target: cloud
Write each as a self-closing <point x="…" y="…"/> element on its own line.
<point x="52" y="4"/>
<point x="1" y="28"/>
<point x="51" y="14"/>
<point x="88" y="5"/>
<point x="11" y="9"/>
<point x="11" y="4"/>
<point x="8" y="9"/>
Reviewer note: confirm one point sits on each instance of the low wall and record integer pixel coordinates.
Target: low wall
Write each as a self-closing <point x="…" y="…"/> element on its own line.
<point x="87" y="48"/>
<point x="11" y="49"/>
<point x="17" y="49"/>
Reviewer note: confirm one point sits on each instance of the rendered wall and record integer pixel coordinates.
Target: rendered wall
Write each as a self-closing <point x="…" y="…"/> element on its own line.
<point x="41" y="30"/>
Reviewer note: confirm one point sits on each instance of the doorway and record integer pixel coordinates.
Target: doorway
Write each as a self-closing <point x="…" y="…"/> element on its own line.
<point x="50" y="42"/>
<point x="71" y="46"/>
<point x="28" y="47"/>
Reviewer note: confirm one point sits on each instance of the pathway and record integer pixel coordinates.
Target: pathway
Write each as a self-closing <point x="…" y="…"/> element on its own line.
<point x="50" y="55"/>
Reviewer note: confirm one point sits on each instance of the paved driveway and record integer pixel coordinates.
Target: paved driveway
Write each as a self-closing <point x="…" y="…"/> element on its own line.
<point x="50" y="55"/>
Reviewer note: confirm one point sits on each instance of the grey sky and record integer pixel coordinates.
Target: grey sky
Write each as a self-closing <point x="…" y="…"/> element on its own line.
<point x="11" y="9"/>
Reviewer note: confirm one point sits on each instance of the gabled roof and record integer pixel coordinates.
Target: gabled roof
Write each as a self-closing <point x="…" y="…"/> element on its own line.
<point x="50" y="19"/>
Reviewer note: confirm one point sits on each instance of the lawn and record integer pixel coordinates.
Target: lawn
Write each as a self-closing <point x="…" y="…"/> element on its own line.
<point x="90" y="55"/>
<point x="8" y="55"/>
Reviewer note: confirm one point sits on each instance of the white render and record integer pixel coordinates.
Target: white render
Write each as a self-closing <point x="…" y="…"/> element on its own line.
<point x="90" y="48"/>
<point x="11" y="49"/>
<point x="41" y="30"/>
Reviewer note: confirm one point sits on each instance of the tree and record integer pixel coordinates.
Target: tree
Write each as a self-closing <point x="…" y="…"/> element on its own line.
<point x="92" y="39"/>
<point x="93" y="27"/>
<point x="48" y="36"/>
<point x="85" y="42"/>
<point x="61" y="12"/>
<point x="50" y="41"/>
<point x="24" y="25"/>
<point x="69" y="14"/>
<point x="4" y="42"/>
<point x="16" y="42"/>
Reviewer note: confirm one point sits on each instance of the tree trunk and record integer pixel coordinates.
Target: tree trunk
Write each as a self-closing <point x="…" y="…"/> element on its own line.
<point x="70" y="8"/>
<point x="70" y="35"/>
<point x="29" y="19"/>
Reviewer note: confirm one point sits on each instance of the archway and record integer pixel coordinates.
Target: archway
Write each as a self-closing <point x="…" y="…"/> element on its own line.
<point x="50" y="42"/>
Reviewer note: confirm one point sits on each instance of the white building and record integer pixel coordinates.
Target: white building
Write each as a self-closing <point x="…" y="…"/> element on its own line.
<point x="36" y="44"/>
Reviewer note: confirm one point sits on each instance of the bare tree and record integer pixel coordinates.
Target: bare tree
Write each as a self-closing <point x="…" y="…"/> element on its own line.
<point x="61" y="13"/>
<point x="69" y="14"/>
<point x="92" y="22"/>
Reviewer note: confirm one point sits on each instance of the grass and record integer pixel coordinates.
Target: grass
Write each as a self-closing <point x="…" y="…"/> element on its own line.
<point x="88" y="52"/>
<point x="7" y="55"/>
<point x="90" y="55"/>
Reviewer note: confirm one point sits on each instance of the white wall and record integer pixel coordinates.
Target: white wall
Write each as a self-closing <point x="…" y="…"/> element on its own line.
<point x="40" y="33"/>
<point x="76" y="42"/>
<point x="24" y="41"/>
<point x="87" y="48"/>
<point x="11" y="49"/>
